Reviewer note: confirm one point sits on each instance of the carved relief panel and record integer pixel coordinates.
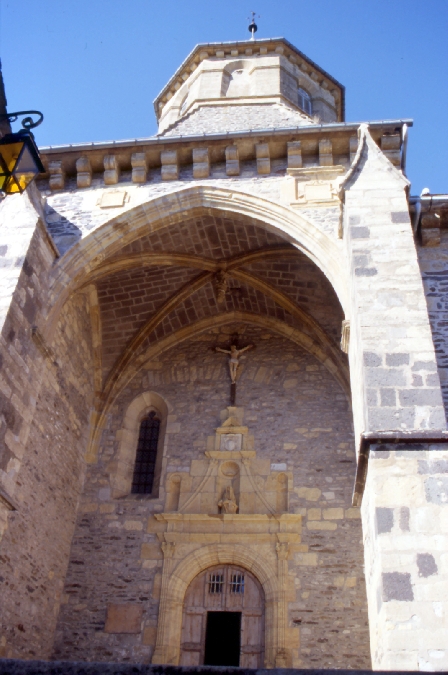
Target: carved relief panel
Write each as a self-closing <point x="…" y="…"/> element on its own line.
<point x="230" y="479"/>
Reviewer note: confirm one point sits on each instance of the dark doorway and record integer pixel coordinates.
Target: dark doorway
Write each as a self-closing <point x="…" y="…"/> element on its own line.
<point x="222" y="639"/>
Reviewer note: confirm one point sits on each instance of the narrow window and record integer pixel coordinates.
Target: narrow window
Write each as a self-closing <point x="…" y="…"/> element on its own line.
<point x="237" y="583"/>
<point x="304" y="101"/>
<point x="145" y="460"/>
<point x="215" y="583"/>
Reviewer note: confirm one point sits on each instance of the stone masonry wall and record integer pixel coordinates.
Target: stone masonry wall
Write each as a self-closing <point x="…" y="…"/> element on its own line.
<point x="299" y="417"/>
<point x="51" y="396"/>
<point x="405" y="516"/>
<point x="434" y="269"/>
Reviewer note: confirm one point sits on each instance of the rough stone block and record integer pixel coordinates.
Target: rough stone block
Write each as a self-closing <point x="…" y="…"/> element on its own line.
<point x="420" y="397"/>
<point x="436" y="490"/>
<point x="371" y="359"/>
<point x="434" y="466"/>
<point x="404" y="518"/>
<point x="384" y="519"/>
<point x="426" y="565"/>
<point x="397" y="359"/>
<point x="397" y="586"/>
<point x="335" y="513"/>
<point x="359" y="232"/>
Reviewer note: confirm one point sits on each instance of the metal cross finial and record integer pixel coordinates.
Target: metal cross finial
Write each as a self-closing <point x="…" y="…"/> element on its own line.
<point x="253" y="26"/>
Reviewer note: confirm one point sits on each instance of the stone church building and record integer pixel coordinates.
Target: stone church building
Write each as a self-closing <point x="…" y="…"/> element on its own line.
<point x="223" y="367"/>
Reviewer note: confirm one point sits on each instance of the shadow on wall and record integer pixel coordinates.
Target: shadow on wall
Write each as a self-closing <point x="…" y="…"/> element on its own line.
<point x="64" y="233"/>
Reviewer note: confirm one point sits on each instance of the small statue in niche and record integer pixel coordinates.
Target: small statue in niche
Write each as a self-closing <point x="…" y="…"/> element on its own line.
<point x="233" y="361"/>
<point x="228" y="503"/>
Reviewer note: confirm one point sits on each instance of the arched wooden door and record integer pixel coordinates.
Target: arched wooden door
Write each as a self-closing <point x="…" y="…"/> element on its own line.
<point x="223" y="619"/>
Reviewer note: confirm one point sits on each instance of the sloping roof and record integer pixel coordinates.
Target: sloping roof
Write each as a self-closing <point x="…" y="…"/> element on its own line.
<point x="228" y="118"/>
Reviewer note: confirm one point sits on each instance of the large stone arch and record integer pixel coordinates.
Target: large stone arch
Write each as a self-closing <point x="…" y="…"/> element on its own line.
<point x="83" y="259"/>
<point x="178" y="574"/>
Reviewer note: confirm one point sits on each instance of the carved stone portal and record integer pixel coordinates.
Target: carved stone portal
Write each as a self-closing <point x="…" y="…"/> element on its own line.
<point x="232" y="509"/>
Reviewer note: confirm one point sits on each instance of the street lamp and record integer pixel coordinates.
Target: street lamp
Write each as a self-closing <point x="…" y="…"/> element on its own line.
<point x="19" y="157"/>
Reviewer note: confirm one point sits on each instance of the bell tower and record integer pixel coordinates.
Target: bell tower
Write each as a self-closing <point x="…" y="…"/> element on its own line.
<point x="271" y="75"/>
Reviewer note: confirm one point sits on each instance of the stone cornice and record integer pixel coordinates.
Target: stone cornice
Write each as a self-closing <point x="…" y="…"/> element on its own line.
<point x="246" y="141"/>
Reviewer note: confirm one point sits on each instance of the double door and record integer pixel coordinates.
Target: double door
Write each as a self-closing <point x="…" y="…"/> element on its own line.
<point x="223" y="619"/>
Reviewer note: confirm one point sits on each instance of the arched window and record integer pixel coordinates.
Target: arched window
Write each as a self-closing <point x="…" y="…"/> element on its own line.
<point x="145" y="460"/>
<point x="304" y="101"/>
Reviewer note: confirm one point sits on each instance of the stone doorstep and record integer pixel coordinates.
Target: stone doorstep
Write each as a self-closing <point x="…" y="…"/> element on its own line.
<point x="19" y="667"/>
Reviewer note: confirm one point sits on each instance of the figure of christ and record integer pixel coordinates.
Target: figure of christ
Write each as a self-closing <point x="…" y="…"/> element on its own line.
<point x="234" y="356"/>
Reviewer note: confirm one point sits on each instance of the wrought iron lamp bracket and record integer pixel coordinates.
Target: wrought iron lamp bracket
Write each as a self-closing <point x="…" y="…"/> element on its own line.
<point x="28" y="122"/>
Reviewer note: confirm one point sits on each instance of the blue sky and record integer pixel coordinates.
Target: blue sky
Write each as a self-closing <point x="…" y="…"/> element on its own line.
<point x="94" y="67"/>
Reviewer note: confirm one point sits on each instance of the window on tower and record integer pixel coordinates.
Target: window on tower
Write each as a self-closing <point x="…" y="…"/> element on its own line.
<point x="304" y="101"/>
<point x="145" y="460"/>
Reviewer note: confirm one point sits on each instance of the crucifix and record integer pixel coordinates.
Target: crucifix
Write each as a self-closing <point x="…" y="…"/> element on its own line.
<point x="234" y="354"/>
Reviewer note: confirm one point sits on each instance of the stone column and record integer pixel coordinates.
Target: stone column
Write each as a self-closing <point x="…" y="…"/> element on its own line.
<point x="283" y="655"/>
<point x="396" y="396"/>
<point x="164" y="651"/>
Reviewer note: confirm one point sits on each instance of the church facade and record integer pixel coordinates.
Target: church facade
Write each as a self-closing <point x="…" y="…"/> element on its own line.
<point x="223" y="371"/>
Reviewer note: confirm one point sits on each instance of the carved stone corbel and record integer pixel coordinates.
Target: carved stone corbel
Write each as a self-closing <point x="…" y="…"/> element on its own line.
<point x="139" y="165"/>
<point x="57" y="175"/>
<point x="111" y="170"/>
<point x="295" y="155"/>
<point x="83" y="172"/>
<point x="201" y="163"/>
<point x="263" y="158"/>
<point x="170" y="166"/>
<point x="325" y="153"/>
<point x="232" y="161"/>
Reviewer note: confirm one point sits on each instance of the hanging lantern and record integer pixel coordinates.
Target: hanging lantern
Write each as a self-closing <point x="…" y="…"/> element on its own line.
<point x="19" y="162"/>
<point x="19" y="157"/>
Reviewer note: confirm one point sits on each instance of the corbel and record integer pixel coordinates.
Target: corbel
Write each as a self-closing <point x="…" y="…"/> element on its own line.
<point x="325" y="152"/>
<point x="295" y="155"/>
<point x="263" y="158"/>
<point x="232" y="161"/>
<point x="201" y="163"/>
<point x="139" y="165"/>
<point x="170" y="167"/>
<point x="430" y="229"/>
<point x="83" y="172"/>
<point x="390" y="145"/>
<point x="111" y="170"/>
<point x="57" y="175"/>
